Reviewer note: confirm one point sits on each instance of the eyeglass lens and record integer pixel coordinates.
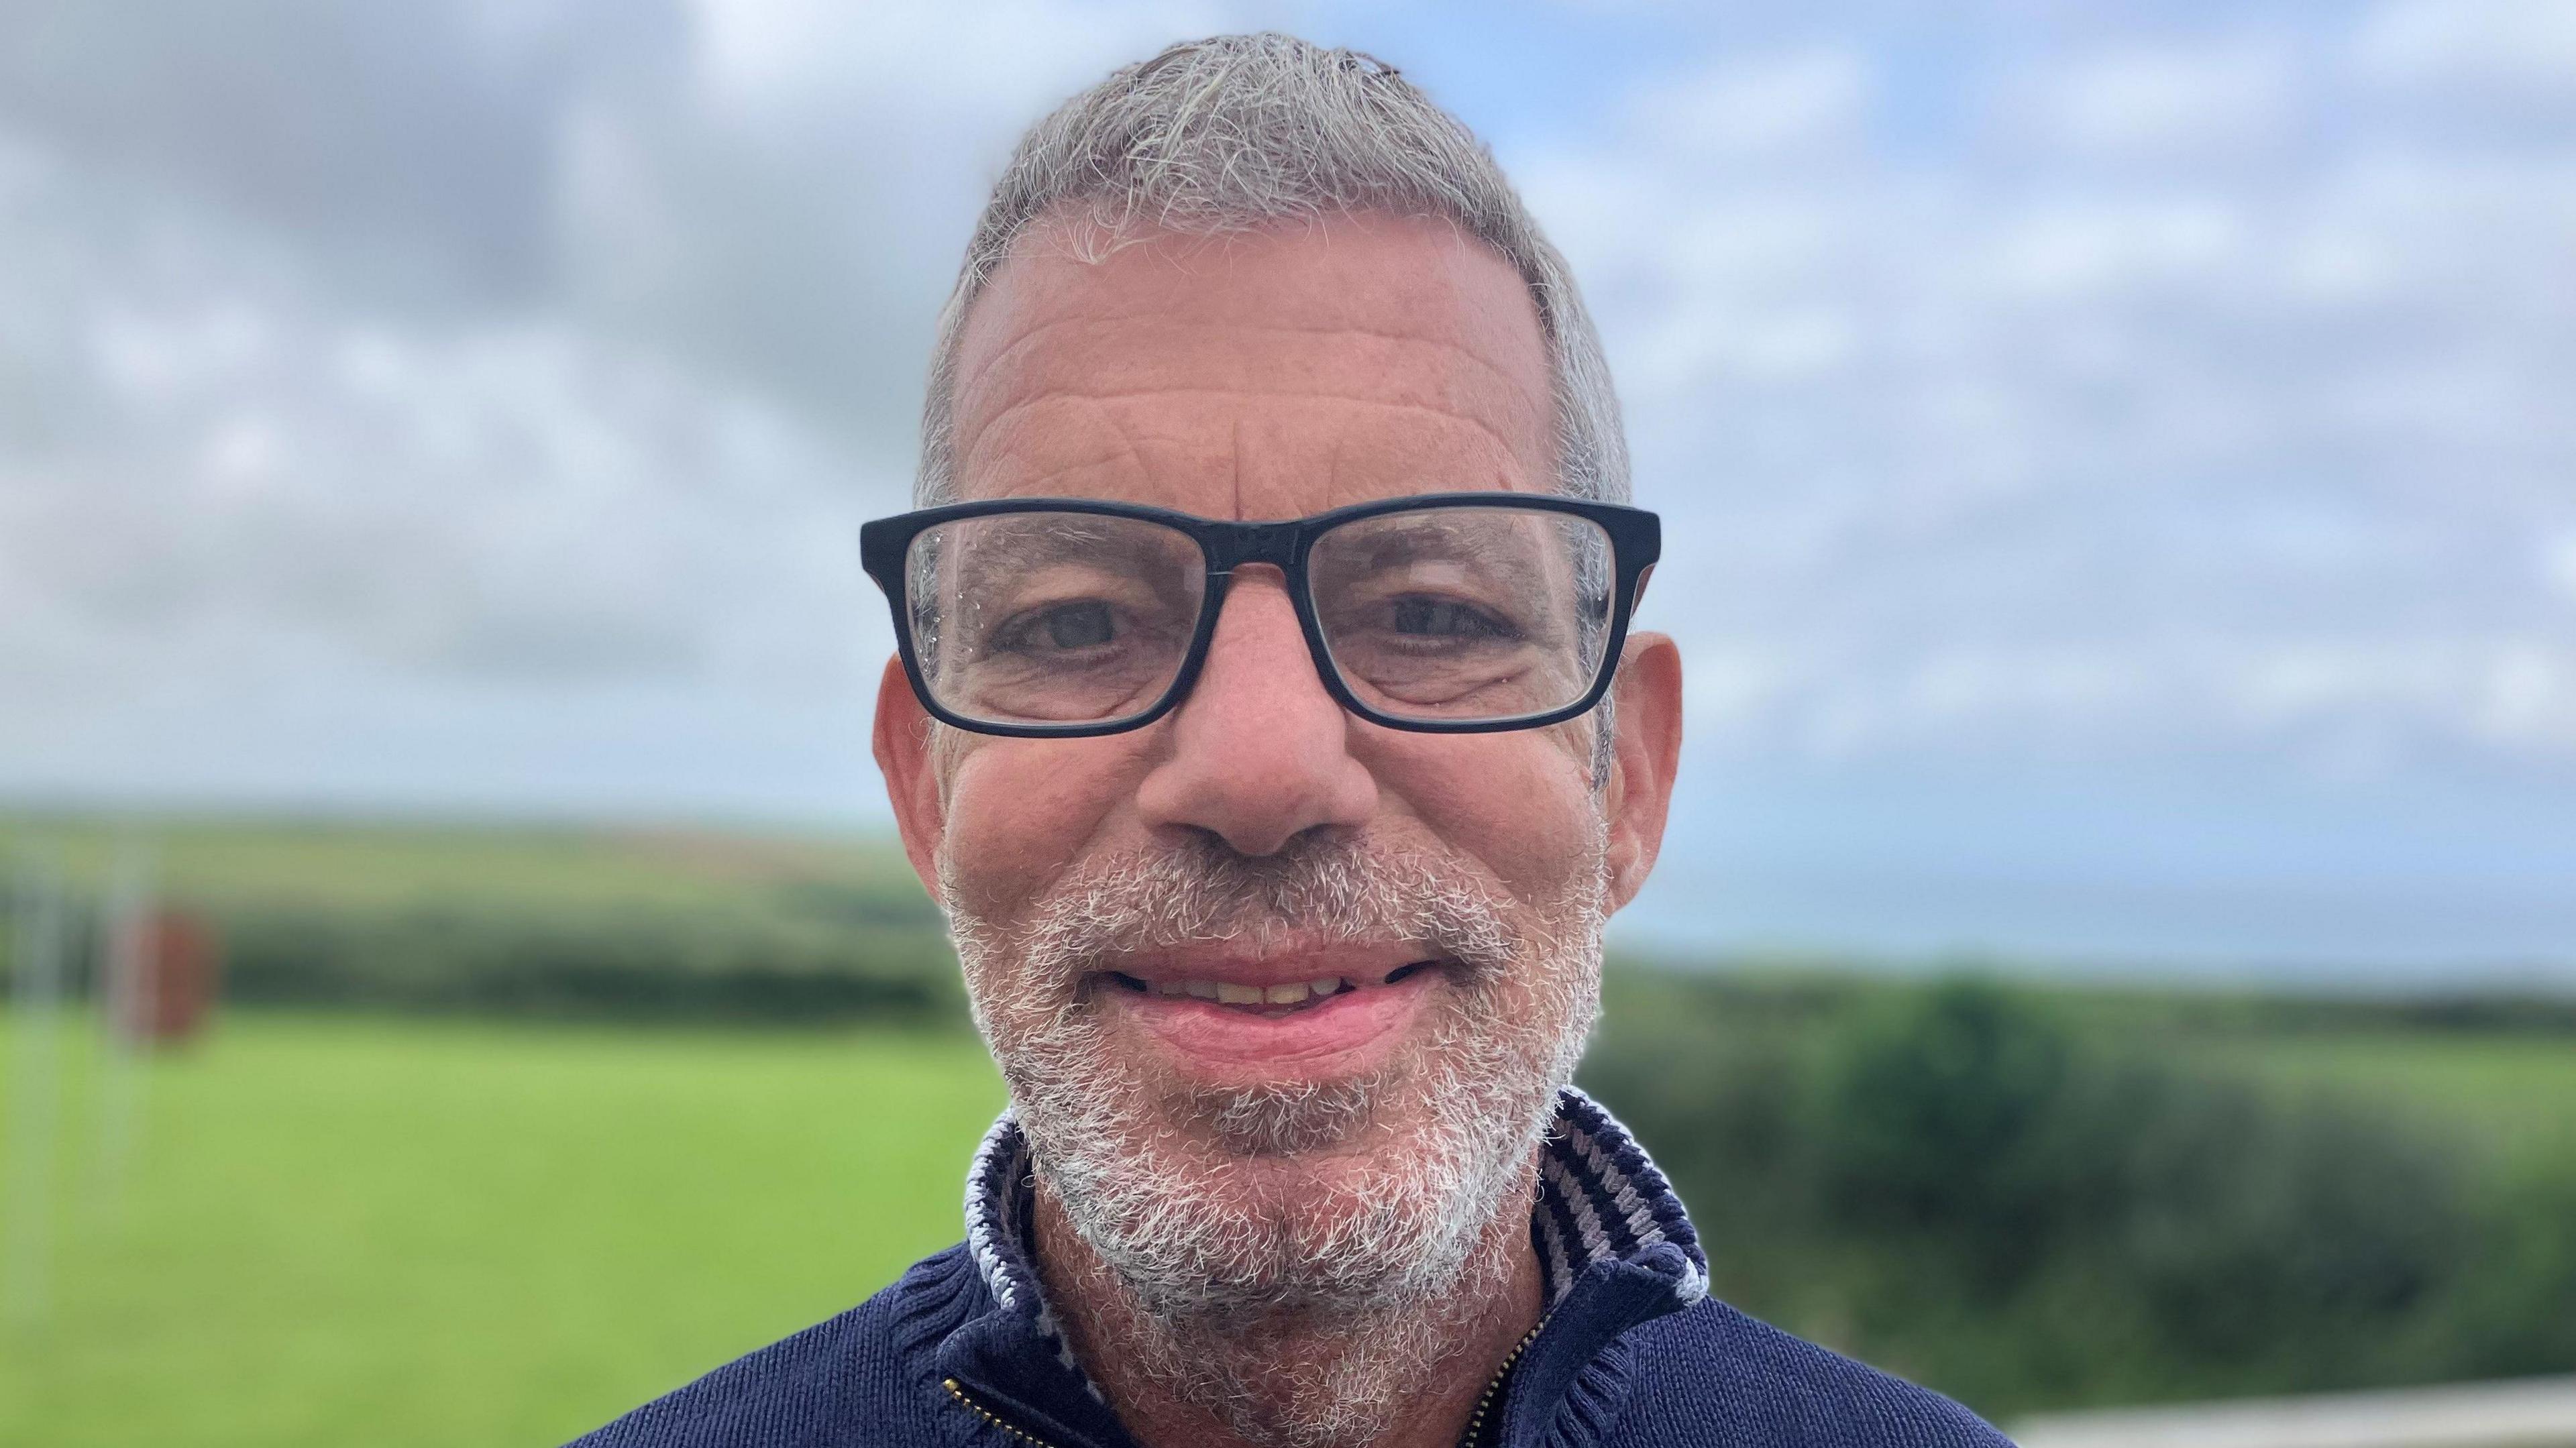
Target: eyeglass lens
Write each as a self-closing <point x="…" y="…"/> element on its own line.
<point x="1462" y="614"/>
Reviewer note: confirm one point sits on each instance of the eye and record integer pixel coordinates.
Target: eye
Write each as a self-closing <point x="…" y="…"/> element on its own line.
<point x="1069" y="626"/>
<point x="1078" y="626"/>
<point x="1444" y="618"/>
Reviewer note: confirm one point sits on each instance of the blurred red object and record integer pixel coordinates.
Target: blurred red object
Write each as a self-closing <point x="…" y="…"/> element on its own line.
<point x="175" y="991"/>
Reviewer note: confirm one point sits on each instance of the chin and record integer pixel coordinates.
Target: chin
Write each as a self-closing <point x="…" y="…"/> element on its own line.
<point x="1353" y="1194"/>
<point x="1301" y="1084"/>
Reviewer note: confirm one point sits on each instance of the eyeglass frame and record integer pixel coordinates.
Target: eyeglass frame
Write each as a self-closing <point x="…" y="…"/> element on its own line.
<point x="1636" y="543"/>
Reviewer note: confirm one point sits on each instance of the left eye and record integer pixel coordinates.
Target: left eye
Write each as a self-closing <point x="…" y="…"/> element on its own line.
<point x="1444" y="618"/>
<point x="1054" y="630"/>
<point x="1078" y="626"/>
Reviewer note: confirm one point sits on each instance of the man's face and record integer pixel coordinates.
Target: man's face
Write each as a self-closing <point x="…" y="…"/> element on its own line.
<point x="1261" y="966"/>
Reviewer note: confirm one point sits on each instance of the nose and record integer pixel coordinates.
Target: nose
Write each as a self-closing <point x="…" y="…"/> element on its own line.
<point x="1259" y="752"/>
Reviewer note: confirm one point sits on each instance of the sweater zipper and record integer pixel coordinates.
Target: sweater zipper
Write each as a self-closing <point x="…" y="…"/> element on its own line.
<point x="968" y="1402"/>
<point x="1475" y="1420"/>
<point x="1493" y="1389"/>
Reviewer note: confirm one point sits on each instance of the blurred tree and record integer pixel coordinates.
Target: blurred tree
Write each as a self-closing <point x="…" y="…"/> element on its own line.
<point x="1935" y="1115"/>
<point x="1961" y="1183"/>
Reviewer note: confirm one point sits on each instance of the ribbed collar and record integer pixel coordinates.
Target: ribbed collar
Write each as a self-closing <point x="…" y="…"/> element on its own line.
<point x="1605" y="1220"/>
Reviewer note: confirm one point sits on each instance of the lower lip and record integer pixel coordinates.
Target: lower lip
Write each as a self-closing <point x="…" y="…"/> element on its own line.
<point x="1347" y="1033"/>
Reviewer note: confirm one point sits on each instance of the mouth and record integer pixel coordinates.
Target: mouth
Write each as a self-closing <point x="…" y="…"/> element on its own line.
<point x="1308" y="1015"/>
<point x="1272" y="1002"/>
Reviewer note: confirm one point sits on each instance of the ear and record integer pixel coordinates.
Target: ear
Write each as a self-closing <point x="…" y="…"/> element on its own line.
<point x="1643" y="759"/>
<point x="901" y="742"/>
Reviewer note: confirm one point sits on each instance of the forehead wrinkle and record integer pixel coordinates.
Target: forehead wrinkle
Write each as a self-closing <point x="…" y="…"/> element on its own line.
<point x="974" y="379"/>
<point x="1182" y="255"/>
<point x="1467" y="336"/>
<point x="1119" y="447"/>
<point x="1124" y="427"/>
<point x="1234" y="456"/>
<point x="1488" y="380"/>
<point x="983" y="437"/>
<point x="1055" y="395"/>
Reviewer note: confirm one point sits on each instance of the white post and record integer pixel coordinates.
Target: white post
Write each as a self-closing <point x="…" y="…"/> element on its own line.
<point x="35" y="1100"/>
<point x="125" y="1010"/>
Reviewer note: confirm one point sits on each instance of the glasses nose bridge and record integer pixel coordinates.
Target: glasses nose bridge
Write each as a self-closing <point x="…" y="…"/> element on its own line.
<point x="1230" y="545"/>
<point x="1236" y="544"/>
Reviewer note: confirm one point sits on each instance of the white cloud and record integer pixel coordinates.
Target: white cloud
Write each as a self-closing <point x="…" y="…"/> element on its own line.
<point x="1970" y="454"/>
<point x="2165" y="101"/>
<point x="2062" y="247"/>
<point x="2195" y="397"/>
<point x="2469" y="47"/>
<point x="595" y="447"/>
<point x="995" y="64"/>
<point x="2558" y="564"/>
<point x="1758" y="107"/>
<point x="252" y="500"/>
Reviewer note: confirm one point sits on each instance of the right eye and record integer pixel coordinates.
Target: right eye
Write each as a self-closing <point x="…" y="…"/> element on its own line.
<point x="1445" y="620"/>
<point x="1067" y="627"/>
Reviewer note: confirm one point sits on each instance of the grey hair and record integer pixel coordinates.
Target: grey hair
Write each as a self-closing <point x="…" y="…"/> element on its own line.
<point x="1236" y="132"/>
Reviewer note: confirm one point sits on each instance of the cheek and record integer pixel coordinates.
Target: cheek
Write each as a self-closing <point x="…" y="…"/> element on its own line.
<point x="1520" y="803"/>
<point x="1020" y="811"/>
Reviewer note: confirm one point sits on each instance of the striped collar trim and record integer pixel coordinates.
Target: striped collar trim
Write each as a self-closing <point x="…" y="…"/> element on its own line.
<point x="1001" y="1224"/>
<point x="1599" y="1199"/>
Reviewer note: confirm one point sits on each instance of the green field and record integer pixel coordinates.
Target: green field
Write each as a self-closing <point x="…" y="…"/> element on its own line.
<point x="2511" y="1096"/>
<point x="334" y="1231"/>
<point x="484" y="1149"/>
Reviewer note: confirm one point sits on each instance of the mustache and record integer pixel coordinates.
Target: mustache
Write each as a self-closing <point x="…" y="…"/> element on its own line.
<point x="1319" y="890"/>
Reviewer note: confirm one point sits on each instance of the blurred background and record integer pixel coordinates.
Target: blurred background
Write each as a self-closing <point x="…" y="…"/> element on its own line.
<point x="2117" y="942"/>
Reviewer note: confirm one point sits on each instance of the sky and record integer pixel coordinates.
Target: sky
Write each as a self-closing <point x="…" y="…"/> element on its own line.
<point x="2118" y="472"/>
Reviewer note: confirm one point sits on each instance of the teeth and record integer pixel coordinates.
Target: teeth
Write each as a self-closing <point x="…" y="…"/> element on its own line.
<point x="1294" y="993"/>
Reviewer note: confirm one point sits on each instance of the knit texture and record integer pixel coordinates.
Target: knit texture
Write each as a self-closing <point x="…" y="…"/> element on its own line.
<point x="964" y="1349"/>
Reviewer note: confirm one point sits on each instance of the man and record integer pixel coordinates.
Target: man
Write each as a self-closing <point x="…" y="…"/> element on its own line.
<point x="1277" y="853"/>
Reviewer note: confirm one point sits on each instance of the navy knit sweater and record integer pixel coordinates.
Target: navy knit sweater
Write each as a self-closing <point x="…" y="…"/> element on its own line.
<point x="1633" y="1351"/>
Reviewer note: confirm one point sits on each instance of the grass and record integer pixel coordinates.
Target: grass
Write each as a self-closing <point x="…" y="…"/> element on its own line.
<point x="397" y="1230"/>
<point x="338" y="1229"/>
<point x="335" y="1230"/>
<point x="2513" y="1094"/>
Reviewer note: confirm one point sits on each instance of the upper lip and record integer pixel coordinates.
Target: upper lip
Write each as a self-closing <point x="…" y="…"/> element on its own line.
<point x="1283" y="963"/>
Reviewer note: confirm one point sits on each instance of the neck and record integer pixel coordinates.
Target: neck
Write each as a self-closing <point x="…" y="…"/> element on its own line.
<point x="1398" y="1377"/>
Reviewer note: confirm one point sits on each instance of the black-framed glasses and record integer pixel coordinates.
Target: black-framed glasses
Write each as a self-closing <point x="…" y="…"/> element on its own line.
<point x="1447" y="613"/>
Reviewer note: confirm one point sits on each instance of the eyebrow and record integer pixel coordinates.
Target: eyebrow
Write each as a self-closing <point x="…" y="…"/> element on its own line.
<point x="1030" y="541"/>
<point x="1429" y="537"/>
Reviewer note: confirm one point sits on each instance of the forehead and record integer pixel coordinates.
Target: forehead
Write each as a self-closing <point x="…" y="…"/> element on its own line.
<point x="1261" y="375"/>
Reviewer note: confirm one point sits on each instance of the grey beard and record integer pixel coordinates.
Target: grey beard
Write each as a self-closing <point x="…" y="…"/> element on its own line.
<point x="1300" y="1381"/>
<point x="1296" y="1306"/>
